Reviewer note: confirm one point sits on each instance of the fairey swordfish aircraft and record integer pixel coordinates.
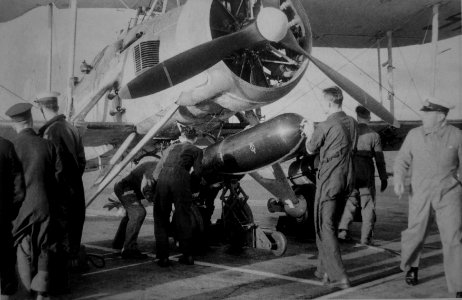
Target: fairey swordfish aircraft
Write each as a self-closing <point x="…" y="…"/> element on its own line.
<point x="225" y="58"/>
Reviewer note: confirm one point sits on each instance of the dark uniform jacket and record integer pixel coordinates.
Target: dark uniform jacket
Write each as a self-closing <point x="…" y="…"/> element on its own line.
<point x="12" y="187"/>
<point x="67" y="139"/>
<point x="369" y="147"/>
<point x="42" y="173"/>
<point x="334" y="139"/>
<point x="132" y="182"/>
<point x="12" y="191"/>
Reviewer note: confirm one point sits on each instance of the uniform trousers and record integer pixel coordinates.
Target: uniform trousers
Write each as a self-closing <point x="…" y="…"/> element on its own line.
<point x="173" y="187"/>
<point x="364" y="199"/>
<point x="448" y="211"/>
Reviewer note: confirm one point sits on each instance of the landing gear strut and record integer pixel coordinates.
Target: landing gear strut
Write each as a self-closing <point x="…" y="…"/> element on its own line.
<point x="239" y="226"/>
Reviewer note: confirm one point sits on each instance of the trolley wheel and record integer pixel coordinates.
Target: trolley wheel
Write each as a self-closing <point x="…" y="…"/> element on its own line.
<point x="278" y="242"/>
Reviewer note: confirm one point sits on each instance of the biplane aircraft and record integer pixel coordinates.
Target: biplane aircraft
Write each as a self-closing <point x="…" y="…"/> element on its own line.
<point x="225" y="58"/>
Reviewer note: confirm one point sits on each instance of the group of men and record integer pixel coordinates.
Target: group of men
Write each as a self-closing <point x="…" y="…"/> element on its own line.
<point x="43" y="207"/>
<point x="431" y="155"/>
<point x="42" y="203"/>
<point x="165" y="182"/>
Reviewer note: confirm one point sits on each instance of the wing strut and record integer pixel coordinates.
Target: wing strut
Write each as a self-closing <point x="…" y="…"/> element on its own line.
<point x="119" y="167"/>
<point x="70" y="87"/>
<point x="435" y="29"/>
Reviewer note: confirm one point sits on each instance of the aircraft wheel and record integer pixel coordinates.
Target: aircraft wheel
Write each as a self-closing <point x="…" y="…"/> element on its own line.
<point x="279" y="243"/>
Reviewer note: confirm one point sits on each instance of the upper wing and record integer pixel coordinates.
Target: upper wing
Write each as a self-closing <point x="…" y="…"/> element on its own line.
<point x="10" y="9"/>
<point x="358" y="23"/>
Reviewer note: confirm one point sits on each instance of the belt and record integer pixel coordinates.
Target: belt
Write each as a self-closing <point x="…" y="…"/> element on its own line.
<point x="336" y="154"/>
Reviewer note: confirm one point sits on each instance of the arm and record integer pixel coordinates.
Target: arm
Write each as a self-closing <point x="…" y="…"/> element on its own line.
<point x="379" y="158"/>
<point x="81" y="160"/>
<point x="19" y="186"/>
<point x="401" y="166"/>
<point x="314" y="144"/>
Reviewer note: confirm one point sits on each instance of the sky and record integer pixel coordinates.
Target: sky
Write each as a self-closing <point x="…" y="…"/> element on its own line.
<point x="24" y="63"/>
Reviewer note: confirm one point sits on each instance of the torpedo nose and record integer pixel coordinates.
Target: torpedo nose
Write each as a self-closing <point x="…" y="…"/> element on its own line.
<point x="272" y="24"/>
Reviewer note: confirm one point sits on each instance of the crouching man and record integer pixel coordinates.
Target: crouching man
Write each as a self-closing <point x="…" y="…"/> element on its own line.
<point x="137" y="185"/>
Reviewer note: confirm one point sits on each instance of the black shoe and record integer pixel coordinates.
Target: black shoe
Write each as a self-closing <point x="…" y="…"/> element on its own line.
<point x="412" y="277"/>
<point x="133" y="254"/>
<point x="459" y="295"/>
<point x="186" y="260"/>
<point x="164" y="262"/>
<point x="344" y="236"/>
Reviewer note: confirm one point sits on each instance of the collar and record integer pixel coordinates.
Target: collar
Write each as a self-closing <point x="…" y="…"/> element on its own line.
<point x="28" y="131"/>
<point x="51" y="121"/>
<point x="435" y="129"/>
<point x="336" y="115"/>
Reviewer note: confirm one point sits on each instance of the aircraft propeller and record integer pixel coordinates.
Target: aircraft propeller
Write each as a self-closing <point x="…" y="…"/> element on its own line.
<point x="271" y="25"/>
<point x="344" y="83"/>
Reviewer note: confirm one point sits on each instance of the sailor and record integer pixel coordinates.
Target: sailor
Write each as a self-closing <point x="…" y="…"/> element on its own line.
<point x="131" y="190"/>
<point x="41" y="220"/>
<point x="369" y="148"/>
<point x="335" y="140"/>
<point x="174" y="187"/>
<point x="69" y="142"/>
<point x="12" y="191"/>
<point x="432" y="153"/>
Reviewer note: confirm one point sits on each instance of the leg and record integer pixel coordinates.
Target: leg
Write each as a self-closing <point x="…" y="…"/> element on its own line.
<point x="119" y="238"/>
<point x="8" y="279"/>
<point x="162" y="210"/>
<point x="449" y="219"/>
<point x="368" y="215"/>
<point x="76" y="219"/>
<point x="24" y="260"/>
<point x="351" y="206"/>
<point x="136" y="214"/>
<point x="41" y="244"/>
<point x="182" y="198"/>
<point x="413" y="238"/>
<point x="331" y="259"/>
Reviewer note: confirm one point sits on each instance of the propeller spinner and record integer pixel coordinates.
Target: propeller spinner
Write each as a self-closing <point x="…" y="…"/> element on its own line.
<point x="271" y="25"/>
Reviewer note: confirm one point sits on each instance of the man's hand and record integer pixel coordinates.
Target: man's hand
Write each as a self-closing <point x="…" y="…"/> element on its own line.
<point x="307" y="128"/>
<point x="399" y="188"/>
<point x="383" y="185"/>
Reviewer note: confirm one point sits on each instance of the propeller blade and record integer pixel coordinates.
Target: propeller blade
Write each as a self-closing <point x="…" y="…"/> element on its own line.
<point x="271" y="24"/>
<point x="344" y="83"/>
<point x="119" y="167"/>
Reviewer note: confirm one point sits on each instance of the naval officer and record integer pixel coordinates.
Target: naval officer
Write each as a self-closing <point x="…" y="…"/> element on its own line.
<point x="41" y="221"/>
<point x="69" y="142"/>
<point x="432" y="153"/>
<point x="12" y="192"/>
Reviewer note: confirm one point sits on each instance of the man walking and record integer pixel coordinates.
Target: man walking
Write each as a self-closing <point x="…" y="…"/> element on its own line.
<point x="335" y="140"/>
<point x="67" y="140"/>
<point x="41" y="221"/>
<point x="432" y="153"/>
<point x="369" y="148"/>
<point x="12" y="192"/>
